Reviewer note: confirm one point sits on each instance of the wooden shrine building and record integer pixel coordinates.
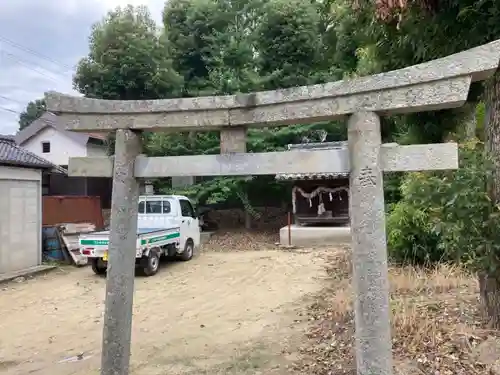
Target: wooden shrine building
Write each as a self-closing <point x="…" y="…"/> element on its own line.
<point x="319" y="199"/>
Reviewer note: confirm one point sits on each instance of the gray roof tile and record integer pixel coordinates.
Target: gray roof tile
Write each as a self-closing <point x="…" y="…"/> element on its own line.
<point x="311" y="176"/>
<point x="314" y="176"/>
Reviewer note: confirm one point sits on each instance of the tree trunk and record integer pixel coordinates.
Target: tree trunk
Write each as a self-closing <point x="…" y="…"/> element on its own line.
<point x="247" y="209"/>
<point x="489" y="292"/>
<point x="248" y="219"/>
<point x="490" y="281"/>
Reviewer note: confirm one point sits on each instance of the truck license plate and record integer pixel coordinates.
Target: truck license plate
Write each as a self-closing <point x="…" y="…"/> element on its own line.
<point x="105" y="256"/>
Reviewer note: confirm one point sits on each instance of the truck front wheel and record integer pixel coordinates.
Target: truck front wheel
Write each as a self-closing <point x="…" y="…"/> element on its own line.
<point x="97" y="267"/>
<point x="188" y="252"/>
<point x="150" y="263"/>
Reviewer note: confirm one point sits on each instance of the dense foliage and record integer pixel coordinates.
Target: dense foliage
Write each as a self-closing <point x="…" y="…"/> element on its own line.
<point x="444" y="216"/>
<point x="128" y="59"/>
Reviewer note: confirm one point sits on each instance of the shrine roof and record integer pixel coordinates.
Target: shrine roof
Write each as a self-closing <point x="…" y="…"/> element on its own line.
<point x="314" y="176"/>
<point x="311" y="176"/>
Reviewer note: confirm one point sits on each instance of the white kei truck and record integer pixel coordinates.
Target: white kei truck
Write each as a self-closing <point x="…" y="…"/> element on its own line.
<point x="167" y="226"/>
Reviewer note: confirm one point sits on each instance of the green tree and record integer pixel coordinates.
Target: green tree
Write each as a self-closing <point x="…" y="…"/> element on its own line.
<point x="190" y="27"/>
<point x="290" y="44"/>
<point x="32" y="112"/>
<point x="128" y="59"/>
<point x="292" y="52"/>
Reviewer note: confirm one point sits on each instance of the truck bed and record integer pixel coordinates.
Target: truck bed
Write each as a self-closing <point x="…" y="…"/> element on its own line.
<point x="140" y="231"/>
<point x="145" y="237"/>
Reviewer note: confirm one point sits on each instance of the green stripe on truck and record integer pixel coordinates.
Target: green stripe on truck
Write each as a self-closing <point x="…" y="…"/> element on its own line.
<point x="151" y="240"/>
<point x="160" y="238"/>
<point x="94" y="242"/>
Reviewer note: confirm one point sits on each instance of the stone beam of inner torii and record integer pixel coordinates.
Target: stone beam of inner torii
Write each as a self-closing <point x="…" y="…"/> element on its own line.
<point x="438" y="84"/>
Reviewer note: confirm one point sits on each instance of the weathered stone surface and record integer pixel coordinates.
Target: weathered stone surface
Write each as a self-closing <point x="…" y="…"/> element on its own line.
<point x="442" y="83"/>
<point x="419" y="97"/>
<point x="393" y="159"/>
<point x="162" y="121"/>
<point x="233" y="140"/>
<point x="369" y="250"/>
<point x="121" y="265"/>
<point x="425" y="96"/>
<point x="419" y="157"/>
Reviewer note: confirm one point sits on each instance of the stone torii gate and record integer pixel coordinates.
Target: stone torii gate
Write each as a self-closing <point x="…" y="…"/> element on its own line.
<point x="439" y="84"/>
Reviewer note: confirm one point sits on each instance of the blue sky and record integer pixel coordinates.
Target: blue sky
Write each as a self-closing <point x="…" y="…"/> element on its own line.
<point x="31" y="30"/>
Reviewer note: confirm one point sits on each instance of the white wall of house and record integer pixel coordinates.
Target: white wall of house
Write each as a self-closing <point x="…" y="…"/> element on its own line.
<point x="62" y="147"/>
<point x="20" y="218"/>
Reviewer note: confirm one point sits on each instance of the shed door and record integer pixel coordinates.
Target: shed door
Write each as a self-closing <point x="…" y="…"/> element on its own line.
<point x="20" y="227"/>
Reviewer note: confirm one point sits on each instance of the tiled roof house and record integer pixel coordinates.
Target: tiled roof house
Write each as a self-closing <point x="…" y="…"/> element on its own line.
<point x="13" y="155"/>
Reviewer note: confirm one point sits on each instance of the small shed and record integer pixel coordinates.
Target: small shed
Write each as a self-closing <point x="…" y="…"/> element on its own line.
<point x="21" y="205"/>
<point x="319" y="199"/>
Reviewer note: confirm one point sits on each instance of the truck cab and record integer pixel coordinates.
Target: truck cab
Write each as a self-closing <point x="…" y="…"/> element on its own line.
<point x="166" y="211"/>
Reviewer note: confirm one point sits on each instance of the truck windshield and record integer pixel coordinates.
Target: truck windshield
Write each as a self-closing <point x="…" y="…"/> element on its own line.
<point x="154" y="206"/>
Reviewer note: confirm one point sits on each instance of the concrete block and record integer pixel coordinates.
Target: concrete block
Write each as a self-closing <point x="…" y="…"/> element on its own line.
<point x="304" y="236"/>
<point x="25" y="273"/>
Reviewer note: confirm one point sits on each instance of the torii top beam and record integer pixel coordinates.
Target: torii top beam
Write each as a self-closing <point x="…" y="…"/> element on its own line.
<point x="438" y="84"/>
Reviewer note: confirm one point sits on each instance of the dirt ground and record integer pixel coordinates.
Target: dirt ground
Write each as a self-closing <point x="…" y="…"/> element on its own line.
<point x="437" y="325"/>
<point x="221" y="313"/>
